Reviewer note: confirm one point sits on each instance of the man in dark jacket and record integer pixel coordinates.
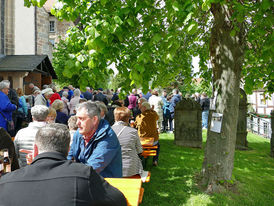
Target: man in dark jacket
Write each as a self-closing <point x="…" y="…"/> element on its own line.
<point x="101" y="97"/>
<point x="53" y="180"/>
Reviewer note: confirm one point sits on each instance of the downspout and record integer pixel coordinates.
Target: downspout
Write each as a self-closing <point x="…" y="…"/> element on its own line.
<point x="35" y="29"/>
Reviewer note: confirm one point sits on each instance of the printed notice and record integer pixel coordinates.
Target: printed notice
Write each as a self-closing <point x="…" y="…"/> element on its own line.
<point x="216" y="122"/>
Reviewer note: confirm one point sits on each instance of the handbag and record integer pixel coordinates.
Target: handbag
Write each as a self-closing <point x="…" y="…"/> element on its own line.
<point x="10" y="124"/>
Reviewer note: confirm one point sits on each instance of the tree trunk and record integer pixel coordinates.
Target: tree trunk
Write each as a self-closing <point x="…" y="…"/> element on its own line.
<point x="226" y="53"/>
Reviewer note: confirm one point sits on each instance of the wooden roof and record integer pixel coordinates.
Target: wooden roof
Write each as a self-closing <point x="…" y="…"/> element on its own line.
<point x="27" y="63"/>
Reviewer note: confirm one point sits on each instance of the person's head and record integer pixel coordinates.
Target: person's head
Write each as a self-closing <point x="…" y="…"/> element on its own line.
<point x="47" y="93"/>
<point x="53" y="87"/>
<point x="39" y="113"/>
<point x="53" y="138"/>
<point x="140" y="101"/>
<point x="155" y="92"/>
<point x="4" y="87"/>
<point x="72" y="123"/>
<point x="204" y="95"/>
<point x="36" y="92"/>
<point x="70" y="87"/>
<point x="134" y="91"/>
<point x="122" y="114"/>
<point x="19" y="92"/>
<point x="88" y="117"/>
<point x="88" y="89"/>
<point x="175" y="91"/>
<point x="145" y="106"/>
<point x="65" y="94"/>
<point x="77" y="92"/>
<point x="31" y="85"/>
<point x="51" y="116"/>
<point x="164" y="93"/>
<point x="103" y="108"/>
<point x="82" y="100"/>
<point x="58" y="105"/>
<point x="45" y="86"/>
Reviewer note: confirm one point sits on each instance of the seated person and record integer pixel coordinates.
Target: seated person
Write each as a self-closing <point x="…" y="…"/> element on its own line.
<point x="7" y="143"/>
<point x="129" y="141"/>
<point x="146" y="123"/>
<point x="24" y="138"/>
<point x="53" y="180"/>
<point x="61" y="117"/>
<point x="95" y="143"/>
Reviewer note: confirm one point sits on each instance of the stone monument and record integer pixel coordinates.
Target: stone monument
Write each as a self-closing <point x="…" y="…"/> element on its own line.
<point x="188" y="123"/>
<point x="241" y="141"/>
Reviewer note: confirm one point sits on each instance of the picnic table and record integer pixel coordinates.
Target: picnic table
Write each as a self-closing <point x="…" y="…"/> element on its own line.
<point x="131" y="188"/>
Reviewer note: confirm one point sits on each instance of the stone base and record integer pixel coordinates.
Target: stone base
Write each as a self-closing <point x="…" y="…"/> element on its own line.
<point x="193" y="144"/>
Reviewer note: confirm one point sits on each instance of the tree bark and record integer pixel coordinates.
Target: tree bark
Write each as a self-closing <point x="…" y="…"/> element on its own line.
<point x="226" y="53"/>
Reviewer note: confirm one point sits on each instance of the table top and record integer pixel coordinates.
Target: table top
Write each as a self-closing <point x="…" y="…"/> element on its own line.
<point x="131" y="188"/>
<point x="147" y="141"/>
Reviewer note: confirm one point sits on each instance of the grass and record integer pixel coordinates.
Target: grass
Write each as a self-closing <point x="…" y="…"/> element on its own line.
<point x="173" y="182"/>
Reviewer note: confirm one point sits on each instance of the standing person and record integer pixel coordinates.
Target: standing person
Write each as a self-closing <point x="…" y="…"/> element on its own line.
<point x="43" y="98"/>
<point x="6" y="107"/>
<point x="70" y="92"/>
<point x="61" y="117"/>
<point x="176" y="98"/>
<point x="146" y="123"/>
<point x="197" y="97"/>
<point x="53" y="180"/>
<point x="55" y="95"/>
<point x="129" y="141"/>
<point x="74" y="101"/>
<point x="205" y="103"/>
<point x="33" y="87"/>
<point x="88" y="94"/>
<point x="132" y="100"/>
<point x="95" y="143"/>
<point x="22" y="111"/>
<point x="65" y="102"/>
<point x="101" y="97"/>
<point x="157" y="104"/>
<point x="24" y="138"/>
<point x="167" y="115"/>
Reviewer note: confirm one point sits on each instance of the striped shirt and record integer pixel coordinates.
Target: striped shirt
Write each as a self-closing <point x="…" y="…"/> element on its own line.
<point x="24" y="139"/>
<point x="131" y="147"/>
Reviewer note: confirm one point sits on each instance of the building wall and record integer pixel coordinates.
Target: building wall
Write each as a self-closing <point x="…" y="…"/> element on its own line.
<point x="260" y="103"/>
<point x="35" y="78"/>
<point x="43" y="46"/>
<point x="24" y="29"/>
<point x="8" y="27"/>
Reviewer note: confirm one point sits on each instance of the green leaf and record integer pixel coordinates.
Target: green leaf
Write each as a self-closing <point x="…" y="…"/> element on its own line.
<point x="118" y="20"/>
<point x="157" y="37"/>
<point x="103" y="2"/>
<point x="192" y="28"/>
<point x="175" y="6"/>
<point x="130" y="22"/>
<point x="188" y="17"/>
<point x="91" y="64"/>
<point x="233" y="32"/>
<point x="206" y="5"/>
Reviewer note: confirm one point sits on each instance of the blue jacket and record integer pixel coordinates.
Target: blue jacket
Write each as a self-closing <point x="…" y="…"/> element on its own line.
<point x="103" y="152"/>
<point x="6" y="108"/>
<point x="174" y="100"/>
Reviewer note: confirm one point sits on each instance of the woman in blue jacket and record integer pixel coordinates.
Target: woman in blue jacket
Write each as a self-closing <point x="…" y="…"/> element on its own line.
<point x="6" y="107"/>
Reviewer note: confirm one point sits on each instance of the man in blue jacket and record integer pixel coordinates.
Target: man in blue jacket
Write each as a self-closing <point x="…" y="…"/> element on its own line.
<point x="95" y="143"/>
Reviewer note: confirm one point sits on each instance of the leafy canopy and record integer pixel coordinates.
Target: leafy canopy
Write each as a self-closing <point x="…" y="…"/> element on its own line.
<point x="153" y="41"/>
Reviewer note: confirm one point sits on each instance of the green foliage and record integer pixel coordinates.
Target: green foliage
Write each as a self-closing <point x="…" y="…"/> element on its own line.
<point x="152" y="41"/>
<point x="173" y="182"/>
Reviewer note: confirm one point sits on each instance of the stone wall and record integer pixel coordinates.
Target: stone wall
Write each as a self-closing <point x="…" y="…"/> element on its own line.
<point x="42" y="21"/>
<point x="9" y="27"/>
<point x="188" y="123"/>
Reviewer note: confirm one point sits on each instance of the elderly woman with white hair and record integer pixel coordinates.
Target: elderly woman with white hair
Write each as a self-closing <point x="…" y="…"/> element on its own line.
<point x="74" y="101"/>
<point x="65" y="100"/>
<point x="43" y="98"/>
<point x="6" y="107"/>
<point x="61" y="117"/>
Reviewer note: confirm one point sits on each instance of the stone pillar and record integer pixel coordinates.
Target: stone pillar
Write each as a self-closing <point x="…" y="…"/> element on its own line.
<point x="272" y="135"/>
<point x="188" y="123"/>
<point x="241" y="141"/>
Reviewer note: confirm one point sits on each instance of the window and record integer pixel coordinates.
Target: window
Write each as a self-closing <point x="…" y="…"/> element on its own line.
<point x="51" y="26"/>
<point x="262" y="99"/>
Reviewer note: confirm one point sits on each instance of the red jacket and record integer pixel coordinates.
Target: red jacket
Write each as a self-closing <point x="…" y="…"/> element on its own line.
<point x="54" y="97"/>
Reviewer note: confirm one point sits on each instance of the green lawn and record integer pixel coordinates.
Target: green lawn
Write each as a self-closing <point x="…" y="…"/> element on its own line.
<point x="173" y="183"/>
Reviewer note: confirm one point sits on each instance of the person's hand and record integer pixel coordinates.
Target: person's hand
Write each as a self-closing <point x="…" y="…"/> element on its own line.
<point x="29" y="158"/>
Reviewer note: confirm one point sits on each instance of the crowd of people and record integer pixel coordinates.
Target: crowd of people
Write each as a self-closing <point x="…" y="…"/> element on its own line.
<point x="94" y="127"/>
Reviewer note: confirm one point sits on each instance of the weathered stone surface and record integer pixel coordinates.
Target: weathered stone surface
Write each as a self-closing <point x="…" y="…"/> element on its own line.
<point x="272" y="135"/>
<point x="241" y="139"/>
<point x="188" y="123"/>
